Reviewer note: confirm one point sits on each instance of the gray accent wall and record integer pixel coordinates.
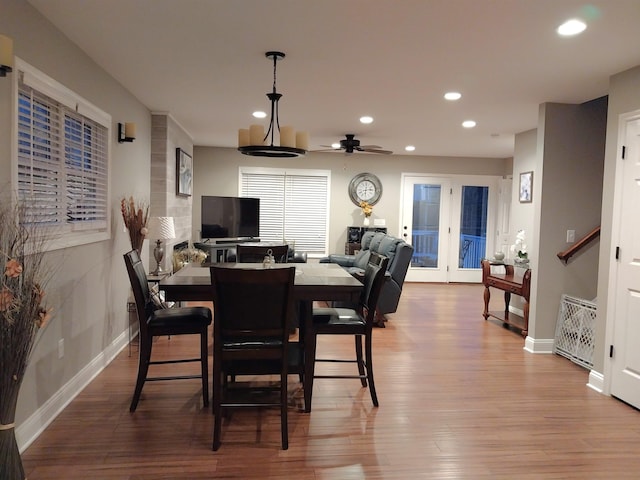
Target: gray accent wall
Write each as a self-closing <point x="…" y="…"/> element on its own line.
<point x="90" y="287"/>
<point x="569" y="192"/>
<point x="217" y="171"/>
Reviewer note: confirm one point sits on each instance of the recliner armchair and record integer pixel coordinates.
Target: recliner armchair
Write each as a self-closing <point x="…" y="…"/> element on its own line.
<point x="399" y="253"/>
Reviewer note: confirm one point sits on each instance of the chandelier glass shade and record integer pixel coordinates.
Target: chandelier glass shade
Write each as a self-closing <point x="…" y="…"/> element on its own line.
<point x="253" y="141"/>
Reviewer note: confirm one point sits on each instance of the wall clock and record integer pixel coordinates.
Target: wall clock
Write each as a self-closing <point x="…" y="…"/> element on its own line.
<point x="365" y="187"/>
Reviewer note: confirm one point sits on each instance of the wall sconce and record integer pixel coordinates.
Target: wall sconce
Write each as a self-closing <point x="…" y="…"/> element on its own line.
<point x="126" y="132"/>
<point x="6" y="55"/>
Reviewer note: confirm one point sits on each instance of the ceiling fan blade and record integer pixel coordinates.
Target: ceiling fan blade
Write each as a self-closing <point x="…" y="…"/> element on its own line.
<point x="329" y="149"/>
<point x="375" y="147"/>
<point x="375" y="150"/>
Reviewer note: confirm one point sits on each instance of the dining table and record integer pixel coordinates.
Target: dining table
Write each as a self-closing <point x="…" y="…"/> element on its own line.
<point x="313" y="282"/>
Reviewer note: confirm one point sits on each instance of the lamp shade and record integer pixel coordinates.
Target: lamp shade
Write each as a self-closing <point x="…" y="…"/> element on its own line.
<point x="6" y="52"/>
<point x="161" y="228"/>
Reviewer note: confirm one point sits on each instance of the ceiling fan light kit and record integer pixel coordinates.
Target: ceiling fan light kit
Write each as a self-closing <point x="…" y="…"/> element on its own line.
<point x="251" y="141"/>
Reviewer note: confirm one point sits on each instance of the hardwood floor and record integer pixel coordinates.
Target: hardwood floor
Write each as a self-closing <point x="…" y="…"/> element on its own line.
<point x="459" y="399"/>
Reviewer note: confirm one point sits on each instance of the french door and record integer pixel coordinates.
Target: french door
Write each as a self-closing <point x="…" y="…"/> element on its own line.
<point x="450" y="221"/>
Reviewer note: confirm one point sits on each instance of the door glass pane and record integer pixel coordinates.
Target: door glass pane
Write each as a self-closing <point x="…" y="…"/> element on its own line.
<point x="473" y="226"/>
<point x="426" y="225"/>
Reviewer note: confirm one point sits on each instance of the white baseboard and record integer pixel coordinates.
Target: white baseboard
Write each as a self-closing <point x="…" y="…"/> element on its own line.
<point x="596" y="381"/>
<point x="538" y="345"/>
<point x="31" y="428"/>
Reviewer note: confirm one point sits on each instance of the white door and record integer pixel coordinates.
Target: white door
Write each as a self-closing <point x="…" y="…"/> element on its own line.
<point x="425" y="224"/>
<point x="450" y="223"/>
<point x="503" y="221"/>
<point x="625" y="363"/>
<point x="473" y="220"/>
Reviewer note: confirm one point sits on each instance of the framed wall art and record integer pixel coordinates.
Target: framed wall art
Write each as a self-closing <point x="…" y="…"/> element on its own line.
<point x="526" y="187"/>
<point x="184" y="173"/>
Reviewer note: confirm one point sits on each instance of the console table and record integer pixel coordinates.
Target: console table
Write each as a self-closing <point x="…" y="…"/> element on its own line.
<point x="516" y="281"/>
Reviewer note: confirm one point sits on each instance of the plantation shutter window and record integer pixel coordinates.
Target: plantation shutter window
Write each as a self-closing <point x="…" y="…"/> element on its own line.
<point x="294" y="206"/>
<point x="62" y="169"/>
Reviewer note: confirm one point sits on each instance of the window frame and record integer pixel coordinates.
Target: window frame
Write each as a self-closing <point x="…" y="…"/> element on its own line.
<point x="68" y="233"/>
<point x="291" y="172"/>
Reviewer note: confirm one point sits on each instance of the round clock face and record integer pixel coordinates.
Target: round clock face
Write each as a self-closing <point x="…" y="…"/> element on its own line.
<point x="365" y="187"/>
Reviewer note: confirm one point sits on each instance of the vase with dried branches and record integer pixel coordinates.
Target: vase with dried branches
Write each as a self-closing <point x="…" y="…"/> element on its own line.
<point x="135" y="216"/>
<point x="23" y="315"/>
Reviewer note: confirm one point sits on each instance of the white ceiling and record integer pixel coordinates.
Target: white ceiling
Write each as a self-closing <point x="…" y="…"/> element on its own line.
<point x="203" y="62"/>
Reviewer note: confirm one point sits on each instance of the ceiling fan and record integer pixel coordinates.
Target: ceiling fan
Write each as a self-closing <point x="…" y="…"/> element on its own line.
<point x="350" y="144"/>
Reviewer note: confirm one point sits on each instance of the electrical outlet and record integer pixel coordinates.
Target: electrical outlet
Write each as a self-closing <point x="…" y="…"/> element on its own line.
<point x="571" y="236"/>
<point x="61" y="348"/>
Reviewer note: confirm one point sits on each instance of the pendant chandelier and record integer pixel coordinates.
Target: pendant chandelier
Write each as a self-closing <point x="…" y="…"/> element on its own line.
<point x="253" y="141"/>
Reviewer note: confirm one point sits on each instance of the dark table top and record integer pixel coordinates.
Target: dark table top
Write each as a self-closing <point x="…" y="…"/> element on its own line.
<point x="313" y="281"/>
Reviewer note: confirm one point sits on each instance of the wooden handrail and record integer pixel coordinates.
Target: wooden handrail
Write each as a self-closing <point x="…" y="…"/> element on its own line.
<point x="579" y="245"/>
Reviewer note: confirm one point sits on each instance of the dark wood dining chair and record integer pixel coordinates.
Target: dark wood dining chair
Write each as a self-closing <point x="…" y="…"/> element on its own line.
<point x="156" y="322"/>
<point x="248" y="253"/>
<point x="375" y="258"/>
<point x="253" y="310"/>
<point x="357" y="322"/>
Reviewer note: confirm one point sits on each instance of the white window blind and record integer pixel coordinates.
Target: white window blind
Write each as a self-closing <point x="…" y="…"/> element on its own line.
<point x="294" y="206"/>
<point x="63" y="157"/>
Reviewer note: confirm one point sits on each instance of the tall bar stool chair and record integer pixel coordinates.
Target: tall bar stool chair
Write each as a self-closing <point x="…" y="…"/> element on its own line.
<point x="156" y="322"/>
<point x="357" y="322"/>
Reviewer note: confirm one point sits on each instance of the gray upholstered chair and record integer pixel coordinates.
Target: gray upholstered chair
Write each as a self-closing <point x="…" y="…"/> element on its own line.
<point x="399" y="253"/>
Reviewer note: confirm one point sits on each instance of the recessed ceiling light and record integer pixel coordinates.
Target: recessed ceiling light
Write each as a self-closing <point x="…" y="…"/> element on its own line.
<point x="366" y="119"/>
<point x="571" y="27"/>
<point x="409" y="148"/>
<point x="260" y="114"/>
<point x="335" y="145"/>
<point x="452" y="96"/>
<point x="468" y="124"/>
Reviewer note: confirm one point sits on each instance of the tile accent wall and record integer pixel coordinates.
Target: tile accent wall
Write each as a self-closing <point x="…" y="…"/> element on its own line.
<point x="166" y="137"/>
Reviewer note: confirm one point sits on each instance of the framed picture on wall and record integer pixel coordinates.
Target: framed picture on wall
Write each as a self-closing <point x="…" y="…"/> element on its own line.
<point x="184" y="173"/>
<point x="526" y="186"/>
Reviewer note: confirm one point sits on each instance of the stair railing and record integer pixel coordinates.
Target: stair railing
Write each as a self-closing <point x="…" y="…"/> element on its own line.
<point x="579" y="245"/>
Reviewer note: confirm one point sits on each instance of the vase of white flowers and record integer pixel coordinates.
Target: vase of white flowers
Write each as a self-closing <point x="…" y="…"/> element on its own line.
<point x="519" y="248"/>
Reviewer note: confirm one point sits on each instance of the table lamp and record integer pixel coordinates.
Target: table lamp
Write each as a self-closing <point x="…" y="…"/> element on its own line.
<point x="160" y="228"/>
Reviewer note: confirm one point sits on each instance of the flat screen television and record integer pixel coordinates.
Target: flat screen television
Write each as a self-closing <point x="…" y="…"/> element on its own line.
<point x="230" y="217"/>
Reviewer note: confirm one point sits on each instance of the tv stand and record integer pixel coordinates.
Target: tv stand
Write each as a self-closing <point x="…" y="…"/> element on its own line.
<point x="217" y="248"/>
